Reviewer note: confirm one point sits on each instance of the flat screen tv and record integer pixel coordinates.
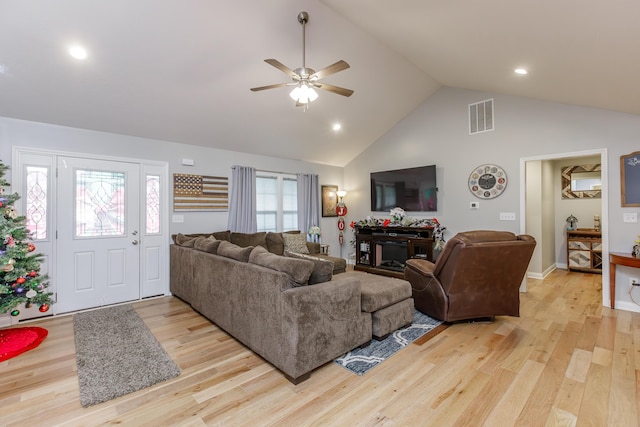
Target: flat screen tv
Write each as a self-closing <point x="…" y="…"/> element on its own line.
<point x="412" y="189"/>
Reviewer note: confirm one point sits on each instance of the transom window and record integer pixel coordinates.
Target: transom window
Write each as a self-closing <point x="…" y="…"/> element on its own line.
<point x="276" y="202"/>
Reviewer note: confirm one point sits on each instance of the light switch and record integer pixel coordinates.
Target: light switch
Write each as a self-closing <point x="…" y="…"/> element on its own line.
<point x="178" y="218"/>
<point x="507" y="216"/>
<point x="630" y="217"/>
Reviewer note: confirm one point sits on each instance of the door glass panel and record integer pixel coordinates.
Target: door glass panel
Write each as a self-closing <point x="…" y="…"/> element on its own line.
<point x="153" y="204"/>
<point x="36" y="196"/>
<point x="100" y="205"/>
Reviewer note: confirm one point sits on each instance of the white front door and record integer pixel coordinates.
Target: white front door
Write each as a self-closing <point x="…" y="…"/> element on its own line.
<point x="98" y="206"/>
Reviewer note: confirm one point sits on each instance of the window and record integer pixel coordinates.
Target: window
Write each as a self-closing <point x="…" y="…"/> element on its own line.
<point x="152" y="205"/>
<point x="37" y="201"/>
<point x="100" y="203"/>
<point x="276" y="202"/>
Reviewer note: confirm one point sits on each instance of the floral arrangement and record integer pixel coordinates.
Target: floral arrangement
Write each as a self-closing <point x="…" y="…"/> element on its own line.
<point x="400" y="219"/>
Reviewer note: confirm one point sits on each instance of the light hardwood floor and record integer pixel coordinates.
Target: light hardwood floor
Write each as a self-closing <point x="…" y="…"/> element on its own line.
<point x="566" y="361"/>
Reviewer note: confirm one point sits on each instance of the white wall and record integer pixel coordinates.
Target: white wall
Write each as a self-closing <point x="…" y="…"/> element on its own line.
<point x="437" y="133"/>
<point x="548" y="219"/>
<point x="208" y="161"/>
<point x="534" y="215"/>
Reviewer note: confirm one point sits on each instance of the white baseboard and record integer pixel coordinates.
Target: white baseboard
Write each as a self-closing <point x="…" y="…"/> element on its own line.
<point x="541" y="276"/>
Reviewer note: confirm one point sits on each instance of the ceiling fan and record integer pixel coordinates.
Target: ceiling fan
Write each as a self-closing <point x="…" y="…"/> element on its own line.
<point x="306" y="79"/>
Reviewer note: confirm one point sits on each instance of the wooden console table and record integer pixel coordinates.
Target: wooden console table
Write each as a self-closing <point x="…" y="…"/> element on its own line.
<point x="619" y="258"/>
<point x="584" y="250"/>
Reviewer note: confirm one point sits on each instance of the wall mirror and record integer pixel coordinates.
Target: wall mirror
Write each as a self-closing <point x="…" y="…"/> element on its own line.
<point x="581" y="182"/>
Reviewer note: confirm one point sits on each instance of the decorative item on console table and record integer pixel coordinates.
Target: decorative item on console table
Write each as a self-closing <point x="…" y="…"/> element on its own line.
<point x="315" y="233"/>
<point x="572" y="222"/>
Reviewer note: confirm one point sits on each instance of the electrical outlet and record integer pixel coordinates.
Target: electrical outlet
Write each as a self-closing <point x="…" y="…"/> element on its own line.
<point x="633" y="281"/>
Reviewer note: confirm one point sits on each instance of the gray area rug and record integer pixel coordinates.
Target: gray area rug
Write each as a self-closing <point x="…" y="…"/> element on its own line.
<point x="117" y="354"/>
<point x="360" y="360"/>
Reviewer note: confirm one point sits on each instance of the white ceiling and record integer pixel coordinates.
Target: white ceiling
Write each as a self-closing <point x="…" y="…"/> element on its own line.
<point x="180" y="70"/>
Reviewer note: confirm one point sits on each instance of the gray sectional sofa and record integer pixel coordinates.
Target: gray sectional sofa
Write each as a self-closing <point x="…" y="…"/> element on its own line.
<point x="265" y="301"/>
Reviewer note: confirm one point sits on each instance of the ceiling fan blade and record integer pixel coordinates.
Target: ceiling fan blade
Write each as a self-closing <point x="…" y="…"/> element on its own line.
<point x="335" y="89"/>
<point x="280" y="66"/>
<point x="331" y="69"/>
<point x="255" y="89"/>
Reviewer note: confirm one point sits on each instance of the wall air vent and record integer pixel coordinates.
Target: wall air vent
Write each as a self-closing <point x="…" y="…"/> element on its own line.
<point x="481" y="116"/>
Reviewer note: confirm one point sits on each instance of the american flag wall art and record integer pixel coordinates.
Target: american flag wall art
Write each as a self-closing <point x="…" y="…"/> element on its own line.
<point x="200" y="192"/>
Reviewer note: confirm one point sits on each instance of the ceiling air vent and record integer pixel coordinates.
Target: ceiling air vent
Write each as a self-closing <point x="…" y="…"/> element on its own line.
<point x="481" y="117"/>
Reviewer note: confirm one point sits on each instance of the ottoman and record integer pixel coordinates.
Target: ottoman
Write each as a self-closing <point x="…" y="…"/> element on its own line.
<point x="387" y="299"/>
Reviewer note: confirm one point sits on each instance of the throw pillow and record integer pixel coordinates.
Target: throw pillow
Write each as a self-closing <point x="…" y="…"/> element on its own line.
<point x="186" y="241"/>
<point x="209" y="244"/>
<point x="322" y="268"/>
<point x="229" y="250"/>
<point x="295" y="243"/>
<point x="222" y="235"/>
<point x="297" y="269"/>
<point x="275" y="242"/>
<point x="249" y="239"/>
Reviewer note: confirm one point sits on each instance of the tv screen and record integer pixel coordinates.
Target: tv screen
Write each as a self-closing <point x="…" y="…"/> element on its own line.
<point x="412" y="189"/>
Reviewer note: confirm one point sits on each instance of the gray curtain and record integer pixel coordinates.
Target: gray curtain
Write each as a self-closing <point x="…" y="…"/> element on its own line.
<point x="308" y="201"/>
<point x="242" y="202"/>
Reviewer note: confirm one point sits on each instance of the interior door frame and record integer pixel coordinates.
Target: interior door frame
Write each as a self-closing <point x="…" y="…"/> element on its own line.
<point x="158" y="167"/>
<point x="604" y="206"/>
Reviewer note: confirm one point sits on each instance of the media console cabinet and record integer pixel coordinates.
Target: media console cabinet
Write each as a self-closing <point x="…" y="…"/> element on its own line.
<point x="384" y="250"/>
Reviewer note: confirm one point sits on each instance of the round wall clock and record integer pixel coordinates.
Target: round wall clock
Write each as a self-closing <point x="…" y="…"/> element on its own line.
<point x="487" y="181"/>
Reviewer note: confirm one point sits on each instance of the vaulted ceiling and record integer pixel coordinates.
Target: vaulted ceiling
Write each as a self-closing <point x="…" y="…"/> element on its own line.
<point x="180" y="70"/>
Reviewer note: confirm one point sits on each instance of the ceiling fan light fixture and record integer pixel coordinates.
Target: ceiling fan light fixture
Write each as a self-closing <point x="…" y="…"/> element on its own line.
<point x="303" y="94"/>
<point x="306" y="80"/>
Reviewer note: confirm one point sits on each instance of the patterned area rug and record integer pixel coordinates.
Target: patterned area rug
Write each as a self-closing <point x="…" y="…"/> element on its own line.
<point x="117" y="354"/>
<point x="360" y="360"/>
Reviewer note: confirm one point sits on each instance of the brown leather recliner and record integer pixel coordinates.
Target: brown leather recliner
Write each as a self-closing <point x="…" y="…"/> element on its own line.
<point x="478" y="274"/>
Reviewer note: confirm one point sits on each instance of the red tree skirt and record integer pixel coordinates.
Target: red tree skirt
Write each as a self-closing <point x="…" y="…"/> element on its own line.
<point x="16" y="341"/>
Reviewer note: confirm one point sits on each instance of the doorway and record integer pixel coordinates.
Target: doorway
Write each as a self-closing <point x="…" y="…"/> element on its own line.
<point x="98" y="225"/>
<point x="102" y="226"/>
<point x="558" y="223"/>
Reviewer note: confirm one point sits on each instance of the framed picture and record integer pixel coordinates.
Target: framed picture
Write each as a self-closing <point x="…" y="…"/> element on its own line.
<point x="630" y="179"/>
<point x="329" y="200"/>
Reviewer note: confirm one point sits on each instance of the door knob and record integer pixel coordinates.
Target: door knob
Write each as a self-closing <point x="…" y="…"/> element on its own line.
<point x="135" y="242"/>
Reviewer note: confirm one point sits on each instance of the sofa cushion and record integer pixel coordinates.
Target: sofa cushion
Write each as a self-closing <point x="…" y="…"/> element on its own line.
<point x="299" y="270"/>
<point x="229" y="250"/>
<point x="222" y="235"/>
<point x="209" y="244"/>
<point x="183" y="240"/>
<point x="275" y="242"/>
<point x="295" y="243"/>
<point x="322" y="269"/>
<point x="249" y="239"/>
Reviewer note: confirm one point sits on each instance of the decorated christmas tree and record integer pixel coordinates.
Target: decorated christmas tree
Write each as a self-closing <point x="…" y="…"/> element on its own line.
<point x="20" y="280"/>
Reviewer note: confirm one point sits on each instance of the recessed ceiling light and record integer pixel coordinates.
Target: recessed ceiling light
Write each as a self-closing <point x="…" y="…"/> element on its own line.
<point x="78" y="52"/>
<point x="521" y="71"/>
<point x="337" y="126"/>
